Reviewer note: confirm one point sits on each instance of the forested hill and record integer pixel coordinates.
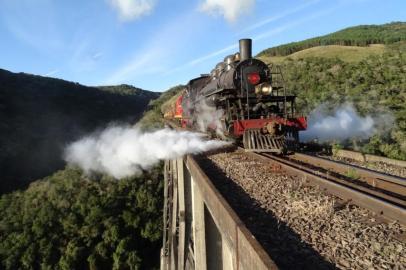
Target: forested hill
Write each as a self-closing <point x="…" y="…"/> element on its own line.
<point x="371" y="78"/>
<point x="40" y="115"/>
<point x="68" y="221"/>
<point x="362" y="35"/>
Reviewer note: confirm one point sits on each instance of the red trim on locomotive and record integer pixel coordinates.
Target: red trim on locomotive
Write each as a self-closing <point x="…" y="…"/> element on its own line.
<point x="299" y="123"/>
<point x="302" y="122"/>
<point x="178" y="107"/>
<point x="241" y="125"/>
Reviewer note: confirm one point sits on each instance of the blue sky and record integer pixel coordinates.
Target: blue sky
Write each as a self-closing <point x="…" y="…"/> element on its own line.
<point x="156" y="44"/>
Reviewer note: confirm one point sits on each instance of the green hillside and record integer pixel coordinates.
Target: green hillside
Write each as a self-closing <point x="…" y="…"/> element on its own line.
<point x="362" y="35"/>
<point x="376" y="85"/>
<point x="69" y="221"/>
<point x="345" y="53"/>
<point x="153" y="117"/>
<point x="364" y="65"/>
<point x="39" y="116"/>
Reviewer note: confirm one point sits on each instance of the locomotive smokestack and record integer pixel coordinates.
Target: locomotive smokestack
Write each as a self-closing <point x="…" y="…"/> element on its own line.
<point x="245" y="49"/>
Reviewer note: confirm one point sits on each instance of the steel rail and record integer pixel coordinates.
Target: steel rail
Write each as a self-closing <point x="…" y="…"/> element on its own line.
<point x="310" y="168"/>
<point x="382" y="207"/>
<point x="379" y="180"/>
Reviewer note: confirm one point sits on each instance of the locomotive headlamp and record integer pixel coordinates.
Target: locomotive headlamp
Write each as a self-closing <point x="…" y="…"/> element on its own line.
<point x="263" y="89"/>
<point x="253" y="78"/>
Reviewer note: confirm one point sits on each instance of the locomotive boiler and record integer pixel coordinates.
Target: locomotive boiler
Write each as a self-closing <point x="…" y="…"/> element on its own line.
<point x="246" y="99"/>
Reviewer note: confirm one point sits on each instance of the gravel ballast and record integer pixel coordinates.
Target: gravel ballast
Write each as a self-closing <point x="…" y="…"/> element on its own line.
<point x="300" y="226"/>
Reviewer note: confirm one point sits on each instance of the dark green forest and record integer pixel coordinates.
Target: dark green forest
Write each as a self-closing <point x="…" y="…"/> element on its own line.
<point x="361" y="35"/>
<point x="40" y="116"/>
<point x="70" y="221"/>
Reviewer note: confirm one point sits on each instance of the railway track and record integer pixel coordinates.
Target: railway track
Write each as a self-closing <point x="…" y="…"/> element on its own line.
<point x="380" y="193"/>
<point x="394" y="186"/>
<point x="302" y="227"/>
<point x="284" y="208"/>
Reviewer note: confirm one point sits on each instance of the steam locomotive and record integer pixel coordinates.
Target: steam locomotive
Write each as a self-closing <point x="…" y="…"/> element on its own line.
<point x="243" y="98"/>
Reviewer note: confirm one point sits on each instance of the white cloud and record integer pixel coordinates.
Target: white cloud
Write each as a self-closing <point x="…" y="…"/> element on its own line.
<point x="152" y="59"/>
<point x="279" y="16"/>
<point x="258" y="37"/>
<point x="97" y="56"/>
<point x="140" y="64"/>
<point x="34" y="24"/>
<point x="204" y="58"/>
<point x="230" y="9"/>
<point x="132" y="9"/>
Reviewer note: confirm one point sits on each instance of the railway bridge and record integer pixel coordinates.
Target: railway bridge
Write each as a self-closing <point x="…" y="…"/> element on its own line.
<point x="203" y="231"/>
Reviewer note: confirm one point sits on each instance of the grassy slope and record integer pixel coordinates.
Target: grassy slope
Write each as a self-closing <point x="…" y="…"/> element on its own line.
<point x="345" y="53"/>
<point x="362" y="35"/>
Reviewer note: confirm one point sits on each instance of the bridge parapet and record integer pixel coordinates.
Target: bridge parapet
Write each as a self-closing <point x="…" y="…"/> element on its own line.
<point x="201" y="230"/>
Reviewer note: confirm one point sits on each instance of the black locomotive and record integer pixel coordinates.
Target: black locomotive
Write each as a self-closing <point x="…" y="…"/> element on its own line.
<point x="246" y="99"/>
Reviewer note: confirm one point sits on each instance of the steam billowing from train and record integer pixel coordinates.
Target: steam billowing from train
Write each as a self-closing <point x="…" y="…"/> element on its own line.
<point x="122" y="151"/>
<point x="344" y="123"/>
<point x="207" y="115"/>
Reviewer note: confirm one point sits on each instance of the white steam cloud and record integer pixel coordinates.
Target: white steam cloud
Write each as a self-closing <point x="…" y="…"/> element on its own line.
<point x="344" y="123"/>
<point x="125" y="151"/>
<point x="209" y="118"/>
<point x="229" y="9"/>
<point x="132" y="9"/>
